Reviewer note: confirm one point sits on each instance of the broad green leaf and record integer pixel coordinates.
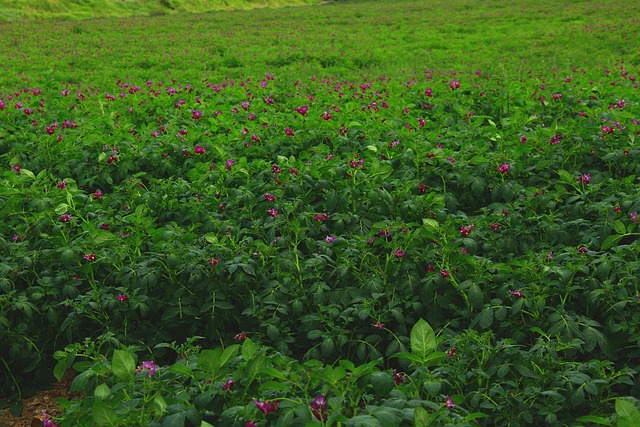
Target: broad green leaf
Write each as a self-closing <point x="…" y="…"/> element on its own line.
<point x="211" y="238"/>
<point x="159" y="404"/>
<point x="62" y="209"/>
<point x="610" y="241"/>
<point x="102" y="392"/>
<point x="103" y="415"/>
<point x="619" y="227"/>
<point x="412" y="357"/>
<point x="209" y="360"/>
<point x="249" y="349"/>
<point x="431" y="224"/>
<point x="229" y="353"/>
<point x="475" y="416"/>
<point x="122" y="364"/>
<point x="423" y="339"/>
<point x="421" y="417"/>
<point x="485" y="319"/>
<point x="628" y="414"/>
<point x="594" y="419"/>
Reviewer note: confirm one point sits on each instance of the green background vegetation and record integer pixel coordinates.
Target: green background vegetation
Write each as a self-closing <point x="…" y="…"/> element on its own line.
<point x="87" y="9"/>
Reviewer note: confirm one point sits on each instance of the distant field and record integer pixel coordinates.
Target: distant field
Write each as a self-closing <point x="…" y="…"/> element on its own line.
<point x="89" y="9"/>
<point x="335" y="37"/>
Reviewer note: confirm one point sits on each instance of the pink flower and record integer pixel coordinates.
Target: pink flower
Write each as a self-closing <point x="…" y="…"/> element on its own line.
<point x="241" y="336"/>
<point x="583" y="250"/>
<point x="634" y="216"/>
<point x="272" y="212"/>
<point x="321" y="217"/>
<point x="378" y="325"/>
<point x="329" y="239"/>
<point x="65" y="218"/>
<point x="288" y="131"/>
<point x="318" y="408"/>
<point x="584" y="179"/>
<point x="98" y="194"/>
<point x="229" y="163"/>
<point x="267" y="407"/>
<point x="398" y="377"/>
<point x="17" y="168"/>
<point x="451" y="352"/>
<point x="449" y="403"/>
<point x="454" y="84"/>
<point x="268" y="197"/>
<point x="302" y="110"/>
<point x="62" y="185"/>
<point x="326" y="115"/>
<point x="444" y="273"/>
<point x="199" y="149"/>
<point x="228" y="385"/>
<point x="504" y="168"/>
<point x="517" y="293"/>
<point x="195" y="114"/>
<point x="147" y="365"/>
<point x="121" y="297"/>
<point x="399" y="253"/>
<point x="465" y="231"/>
<point x="89" y="257"/>
<point x="214" y="261"/>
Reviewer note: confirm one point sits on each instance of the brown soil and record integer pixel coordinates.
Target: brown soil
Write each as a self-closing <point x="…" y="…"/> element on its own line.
<point x="33" y="406"/>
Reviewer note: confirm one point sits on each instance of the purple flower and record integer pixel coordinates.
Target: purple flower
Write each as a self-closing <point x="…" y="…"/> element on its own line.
<point x="302" y="110"/>
<point x="62" y="185"/>
<point x="89" y="257"/>
<point x="329" y="239"/>
<point x="465" y="231"/>
<point x="449" y="403"/>
<point x="250" y="424"/>
<point x="195" y="115"/>
<point x="17" y="168"/>
<point x="319" y="408"/>
<point x="288" y="131"/>
<point x="451" y="352"/>
<point x="229" y="163"/>
<point x="65" y="218"/>
<point x="504" y="168"/>
<point x="268" y="197"/>
<point x="98" y="194"/>
<point x="199" y="149"/>
<point x="214" y="261"/>
<point x="122" y="297"/>
<point x="584" y="179"/>
<point x="378" y="325"/>
<point x="267" y="407"/>
<point x="444" y="273"/>
<point x="582" y="250"/>
<point x="634" y="216"/>
<point x="272" y="212"/>
<point x="321" y="217"/>
<point x="398" y="377"/>
<point x="517" y="293"/>
<point x="46" y="421"/>
<point x="228" y="385"/>
<point x="399" y="253"/>
<point x="241" y="336"/>
<point x="147" y="365"/>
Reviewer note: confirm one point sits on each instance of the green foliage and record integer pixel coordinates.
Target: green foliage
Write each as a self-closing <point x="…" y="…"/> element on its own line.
<point x="362" y="215"/>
